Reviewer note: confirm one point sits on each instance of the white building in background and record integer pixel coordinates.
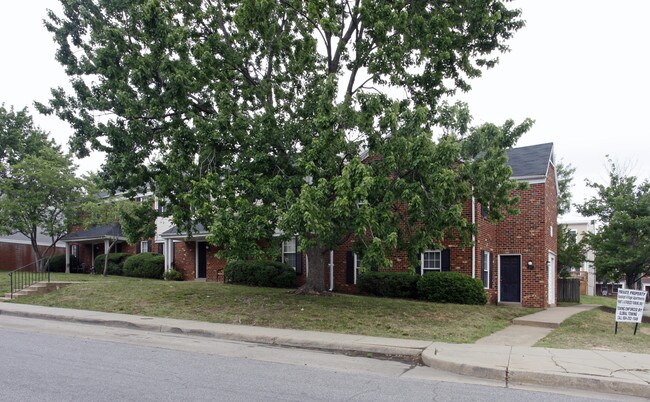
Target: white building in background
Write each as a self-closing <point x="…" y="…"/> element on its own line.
<point x="580" y="228"/>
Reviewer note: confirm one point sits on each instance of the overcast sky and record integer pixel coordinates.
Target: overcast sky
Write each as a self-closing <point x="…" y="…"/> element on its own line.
<point x="579" y="69"/>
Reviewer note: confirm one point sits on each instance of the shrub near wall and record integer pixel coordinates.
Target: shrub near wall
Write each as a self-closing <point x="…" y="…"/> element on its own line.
<point x="115" y="263"/>
<point x="145" y="265"/>
<point x="389" y="284"/>
<point x="260" y="273"/>
<point x="57" y="263"/>
<point x="451" y="287"/>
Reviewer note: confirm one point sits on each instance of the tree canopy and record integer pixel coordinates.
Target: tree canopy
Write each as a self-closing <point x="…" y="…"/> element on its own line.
<point x="314" y="118"/>
<point x="39" y="192"/>
<point x="622" y="244"/>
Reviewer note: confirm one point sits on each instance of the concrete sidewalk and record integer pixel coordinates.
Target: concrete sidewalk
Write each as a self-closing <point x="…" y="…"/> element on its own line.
<point x="530" y="329"/>
<point x="608" y="372"/>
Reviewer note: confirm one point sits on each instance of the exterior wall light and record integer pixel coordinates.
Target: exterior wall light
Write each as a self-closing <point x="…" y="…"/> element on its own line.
<point x="529" y="264"/>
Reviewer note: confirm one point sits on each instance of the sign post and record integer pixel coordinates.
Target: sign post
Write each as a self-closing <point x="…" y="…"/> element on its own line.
<point x="629" y="307"/>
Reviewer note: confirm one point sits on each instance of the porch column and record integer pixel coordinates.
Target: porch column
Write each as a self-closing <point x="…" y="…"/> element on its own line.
<point x="67" y="257"/>
<point x="107" y="244"/>
<point x="168" y="255"/>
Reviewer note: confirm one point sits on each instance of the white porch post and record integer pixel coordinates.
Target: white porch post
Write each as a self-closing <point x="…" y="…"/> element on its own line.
<point x="67" y="257"/>
<point x="107" y="244"/>
<point x="168" y="255"/>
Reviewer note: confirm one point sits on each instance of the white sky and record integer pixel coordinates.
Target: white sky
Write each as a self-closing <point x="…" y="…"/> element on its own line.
<point x="578" y="68"/>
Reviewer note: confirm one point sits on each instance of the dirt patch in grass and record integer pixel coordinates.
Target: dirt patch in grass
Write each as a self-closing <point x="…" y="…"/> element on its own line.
<point x="279" y="308"/>
<point x="594" y="330"/>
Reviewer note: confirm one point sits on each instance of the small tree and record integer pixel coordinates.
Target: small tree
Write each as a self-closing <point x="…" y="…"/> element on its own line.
<point x="137" y="220"/>
<point x="622" y="245"/>
<point x="39" y="192"/>
<point x="571" y="252"/>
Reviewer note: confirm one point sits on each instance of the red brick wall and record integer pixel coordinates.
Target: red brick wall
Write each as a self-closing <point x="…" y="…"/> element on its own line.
<point x="14" y="256"/>
<point x="528" y="234"/>
<point x="185" y="262"/>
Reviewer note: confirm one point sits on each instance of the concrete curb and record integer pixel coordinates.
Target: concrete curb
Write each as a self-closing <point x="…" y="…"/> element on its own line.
<point x="333" y="342"/>
<point x="439" y="356"/>
<point x="429" y="358"/>
<point x="605" y="385"/>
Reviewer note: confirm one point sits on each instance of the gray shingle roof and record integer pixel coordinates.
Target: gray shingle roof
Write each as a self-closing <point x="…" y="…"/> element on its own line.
<point x="95" y="232"/>
<point x="530" y="161"/>
<point x="199" y="229"/>
<point x="41" y="239"/>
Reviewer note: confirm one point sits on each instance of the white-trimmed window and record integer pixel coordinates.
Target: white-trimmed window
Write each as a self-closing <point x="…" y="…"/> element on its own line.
<point x="485" y="268"/>
<point x="144" y="246"/>
<point x="289" y="252"/>
<point x="74" y="250"/>
<point x="357" y="267"/>
<point x="431" y="261"/>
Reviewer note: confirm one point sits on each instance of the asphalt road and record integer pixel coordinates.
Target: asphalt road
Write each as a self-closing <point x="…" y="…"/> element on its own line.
<point x="56" y="361"/>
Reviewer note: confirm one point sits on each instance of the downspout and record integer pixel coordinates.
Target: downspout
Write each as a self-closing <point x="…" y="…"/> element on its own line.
<point x="473" y="236"/>
<point x="331" y="270"/>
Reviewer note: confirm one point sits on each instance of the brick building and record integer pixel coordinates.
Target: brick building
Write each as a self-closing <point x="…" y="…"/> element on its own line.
<point x="515" y="258"/>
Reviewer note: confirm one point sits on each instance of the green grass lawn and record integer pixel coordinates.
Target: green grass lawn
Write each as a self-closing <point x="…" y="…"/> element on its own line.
<point x="213" y="302"/>
<point x="595" y="330"/>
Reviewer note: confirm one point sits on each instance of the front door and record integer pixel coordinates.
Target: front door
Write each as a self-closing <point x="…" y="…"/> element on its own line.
<point x="201" y="260"/>
<point x="551" y="278"/>
<point x="510" y="278"/>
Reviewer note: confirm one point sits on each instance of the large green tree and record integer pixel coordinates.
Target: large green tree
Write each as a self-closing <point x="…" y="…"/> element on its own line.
<point x="622" y="244"/>
<point x="39" y="192"/>
<point x="324" y="119"/>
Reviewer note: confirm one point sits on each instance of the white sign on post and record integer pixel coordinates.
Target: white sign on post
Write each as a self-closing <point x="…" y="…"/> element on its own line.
<point x="629" y="305"/>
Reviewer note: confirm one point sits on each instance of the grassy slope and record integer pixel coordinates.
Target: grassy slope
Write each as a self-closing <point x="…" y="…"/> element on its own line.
<point x="278" y="308"/>
<point x="595" y="330"/>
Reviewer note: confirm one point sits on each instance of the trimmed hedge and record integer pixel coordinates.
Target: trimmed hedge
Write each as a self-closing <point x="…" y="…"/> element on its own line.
<point x="145" y="265"/>
<point x="57" y="263"/>
<point x="115" y="263"/>
<point x="389" y="284"/>
<point x="451" y="287"/>
<point x="260" y="273"/>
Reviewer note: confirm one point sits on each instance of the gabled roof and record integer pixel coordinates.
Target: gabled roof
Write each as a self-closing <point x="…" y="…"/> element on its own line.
<point x="95" y="232"/>
<point x="531" y="161"/>
<point x="199" y="231"/>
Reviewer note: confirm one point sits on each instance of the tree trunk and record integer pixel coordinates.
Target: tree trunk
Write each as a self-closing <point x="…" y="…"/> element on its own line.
<point x="315" y="283"/>
<point x="631" y="281"/>
<point x="106" y="252"/>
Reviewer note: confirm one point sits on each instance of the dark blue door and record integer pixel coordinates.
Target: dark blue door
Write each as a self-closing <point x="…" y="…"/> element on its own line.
<point x="202" y="260"/>
<point x="510" y="283"/>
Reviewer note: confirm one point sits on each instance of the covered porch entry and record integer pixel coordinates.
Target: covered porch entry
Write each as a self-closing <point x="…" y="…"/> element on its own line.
<point x="87" y="244"/>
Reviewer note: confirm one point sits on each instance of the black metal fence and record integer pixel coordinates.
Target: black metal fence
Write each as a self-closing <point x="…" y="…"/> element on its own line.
<point x="28" y="275"/>
<point x="568" y="290"/>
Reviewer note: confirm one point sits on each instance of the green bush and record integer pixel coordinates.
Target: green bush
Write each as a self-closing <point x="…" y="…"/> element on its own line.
<point x="57" y="263"/>
<point x="173" y="275"/>
<point x="145" y="265"/>
<point x="260" y="273"/>
<point x="451" y="287"/>
<point x="115" y="263"/>
<point x="389" y="284"/>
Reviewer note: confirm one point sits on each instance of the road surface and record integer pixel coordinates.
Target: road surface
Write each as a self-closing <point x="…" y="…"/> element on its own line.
<point x="56" y="361"/>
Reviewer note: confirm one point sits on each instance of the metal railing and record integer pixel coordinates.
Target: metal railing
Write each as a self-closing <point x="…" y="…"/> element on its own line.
<point x="28" y="275"/>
